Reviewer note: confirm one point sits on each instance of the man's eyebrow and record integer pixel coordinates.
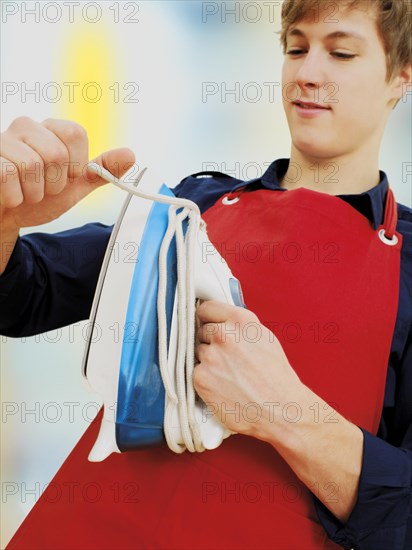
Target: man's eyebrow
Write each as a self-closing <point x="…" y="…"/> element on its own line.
<point x="330" y="36"/>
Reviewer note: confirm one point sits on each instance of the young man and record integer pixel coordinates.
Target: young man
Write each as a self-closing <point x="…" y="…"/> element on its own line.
<point x="348" y="64"/>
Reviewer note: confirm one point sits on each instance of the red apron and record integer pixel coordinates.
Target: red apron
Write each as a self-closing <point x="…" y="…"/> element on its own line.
<point x="320" y="277"/>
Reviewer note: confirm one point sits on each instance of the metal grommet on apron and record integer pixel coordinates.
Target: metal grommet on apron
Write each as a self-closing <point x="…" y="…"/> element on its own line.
<point x="233" y="197"/>
<point x="227" y="201"/>
<point x="390" y="242"/>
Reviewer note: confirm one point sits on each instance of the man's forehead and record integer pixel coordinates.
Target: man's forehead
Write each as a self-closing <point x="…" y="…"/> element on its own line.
<point x="350" y="22"/>
<point x="344" y="33"/>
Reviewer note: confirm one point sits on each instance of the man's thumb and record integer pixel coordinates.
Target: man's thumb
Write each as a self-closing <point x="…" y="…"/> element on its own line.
<point x="116" y="161"/>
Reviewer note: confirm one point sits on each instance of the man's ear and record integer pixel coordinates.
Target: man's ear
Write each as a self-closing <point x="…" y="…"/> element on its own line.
<point x="402" y="83"/>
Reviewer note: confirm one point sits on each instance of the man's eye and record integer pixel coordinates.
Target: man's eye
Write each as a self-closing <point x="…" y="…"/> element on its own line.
<point x="295" y="52"/>
<point x="341" y="55"/>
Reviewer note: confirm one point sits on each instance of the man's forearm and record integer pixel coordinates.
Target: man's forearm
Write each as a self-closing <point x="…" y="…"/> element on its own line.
<point x="324" y="450"/>
<point x="322" y="447"/>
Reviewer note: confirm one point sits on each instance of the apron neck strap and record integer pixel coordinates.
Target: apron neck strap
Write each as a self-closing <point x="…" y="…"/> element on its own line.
<point x="391" y="215"/>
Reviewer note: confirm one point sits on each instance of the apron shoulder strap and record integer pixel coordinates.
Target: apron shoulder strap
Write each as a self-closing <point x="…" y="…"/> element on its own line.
<point x="391" y="215"/>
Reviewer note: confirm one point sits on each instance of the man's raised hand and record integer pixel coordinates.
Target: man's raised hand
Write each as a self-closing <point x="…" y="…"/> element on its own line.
<point x="44" y="174"/>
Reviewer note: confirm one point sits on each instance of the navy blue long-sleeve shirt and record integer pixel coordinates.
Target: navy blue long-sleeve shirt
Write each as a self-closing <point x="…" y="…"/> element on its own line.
<point x="50" y="282"/>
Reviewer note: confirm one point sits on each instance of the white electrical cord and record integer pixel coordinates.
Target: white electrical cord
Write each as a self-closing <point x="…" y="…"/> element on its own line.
<point x="125" y="186"/>
<point x="184" y="397"/>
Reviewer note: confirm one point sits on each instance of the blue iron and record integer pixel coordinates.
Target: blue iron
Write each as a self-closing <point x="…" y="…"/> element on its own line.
<point x="149" y="296"/>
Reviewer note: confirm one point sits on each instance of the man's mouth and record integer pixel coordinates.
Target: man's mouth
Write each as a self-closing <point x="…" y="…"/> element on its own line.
<point x="305" y="105"/>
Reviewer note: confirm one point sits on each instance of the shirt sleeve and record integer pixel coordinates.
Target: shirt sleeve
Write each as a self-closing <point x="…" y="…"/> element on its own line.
<point x="50" y="279"/>
<point x="382" y="516"/>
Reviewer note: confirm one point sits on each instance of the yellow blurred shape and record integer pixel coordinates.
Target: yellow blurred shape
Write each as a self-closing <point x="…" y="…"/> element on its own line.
<point x="87" y="72"/>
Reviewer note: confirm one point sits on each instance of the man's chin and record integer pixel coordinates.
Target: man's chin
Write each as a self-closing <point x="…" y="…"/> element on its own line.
<point x="315" y="148"/>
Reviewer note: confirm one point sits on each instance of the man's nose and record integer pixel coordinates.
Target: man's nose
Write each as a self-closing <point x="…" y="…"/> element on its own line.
<point x="311" y="74"/>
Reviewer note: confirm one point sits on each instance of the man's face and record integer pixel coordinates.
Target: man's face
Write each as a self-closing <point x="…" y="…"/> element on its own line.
<point x="344" y="74"/>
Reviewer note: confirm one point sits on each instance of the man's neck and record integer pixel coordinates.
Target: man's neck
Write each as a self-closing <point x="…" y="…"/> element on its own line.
<point x="334" y="176"/>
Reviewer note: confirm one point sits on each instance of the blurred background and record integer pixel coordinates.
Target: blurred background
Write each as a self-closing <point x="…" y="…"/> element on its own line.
<point x="189" y="86"/>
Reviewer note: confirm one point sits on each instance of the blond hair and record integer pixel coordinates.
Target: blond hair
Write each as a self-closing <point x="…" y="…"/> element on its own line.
<point x="393" y="22"/>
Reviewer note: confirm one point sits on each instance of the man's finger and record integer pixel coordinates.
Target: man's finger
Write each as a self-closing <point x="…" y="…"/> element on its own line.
<point x="200" y="351"/>
<point x="212" y="311"/>
<point x="206" y="332"/>
<point x="70" y="147"/>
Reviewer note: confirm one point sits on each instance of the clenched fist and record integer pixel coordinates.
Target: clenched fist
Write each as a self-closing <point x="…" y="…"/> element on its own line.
<point x="43" y="174"/>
